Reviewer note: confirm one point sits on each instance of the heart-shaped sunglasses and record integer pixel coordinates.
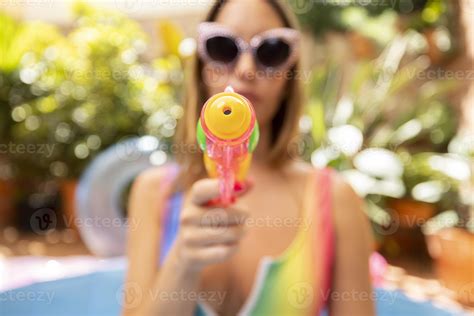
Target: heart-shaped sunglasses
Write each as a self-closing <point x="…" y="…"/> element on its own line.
<point x="273" y="49"/>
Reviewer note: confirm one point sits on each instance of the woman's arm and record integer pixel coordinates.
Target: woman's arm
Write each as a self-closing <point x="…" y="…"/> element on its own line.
<point x="144" y="237"/>
<point x="199" y="243"/>
<point x="351" y="291"/>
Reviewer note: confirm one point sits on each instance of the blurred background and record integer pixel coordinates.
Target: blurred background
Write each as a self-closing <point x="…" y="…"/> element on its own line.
<point x="87" y="85"/>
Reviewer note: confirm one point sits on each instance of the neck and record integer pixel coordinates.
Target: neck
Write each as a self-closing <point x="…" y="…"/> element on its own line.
<point x="264" y="145"/>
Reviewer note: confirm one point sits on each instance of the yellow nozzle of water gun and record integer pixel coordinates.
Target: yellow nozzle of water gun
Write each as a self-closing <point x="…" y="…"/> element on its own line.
<point x="228" y="115"/>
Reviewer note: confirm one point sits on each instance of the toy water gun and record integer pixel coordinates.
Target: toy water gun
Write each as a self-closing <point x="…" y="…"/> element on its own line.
<point x="227" y="132"/>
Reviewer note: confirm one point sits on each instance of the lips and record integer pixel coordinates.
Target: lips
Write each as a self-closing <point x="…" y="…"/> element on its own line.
<point x="252" y="97"/>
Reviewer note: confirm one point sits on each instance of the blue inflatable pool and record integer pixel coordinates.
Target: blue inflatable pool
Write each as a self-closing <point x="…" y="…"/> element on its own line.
<point x="101" y="293"/>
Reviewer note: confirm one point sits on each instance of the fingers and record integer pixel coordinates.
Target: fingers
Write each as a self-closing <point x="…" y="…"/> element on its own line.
<point x="212" y="254"/>
<point x="209" y="237"/>
<point x="216" y="217"/>
<point x="204" y="190"/>
<point x="210" y="234"/>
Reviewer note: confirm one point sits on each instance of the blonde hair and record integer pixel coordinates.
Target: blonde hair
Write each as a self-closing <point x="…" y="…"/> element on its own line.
<point x="284" y="123"/>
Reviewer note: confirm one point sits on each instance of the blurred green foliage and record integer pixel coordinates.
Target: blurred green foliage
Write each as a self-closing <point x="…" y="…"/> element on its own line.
<point x="322" y="16"/>
<point x="17" y="39"/>
<point x="388" y="139"/>
<point x="86" y="90"/>
<point x="434" y="20"/>
<point x="387" y="130"/>
<point x="92" y="88"/>
<point x="331" y="15"/>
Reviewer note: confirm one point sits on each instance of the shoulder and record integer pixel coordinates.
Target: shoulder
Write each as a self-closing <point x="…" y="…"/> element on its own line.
<point x="348" y="211"/>
<point x="298" y="170"/>
<point x="353" y="245"/>
<point x="342" y="191"/>
<point x="340" y="188"/>
<point x="346" y="206"/>
<point x="343" y="195"/>
<point x="149" y="188"/>
<point x="346" y="202"/>
<point x="153" y="177"/>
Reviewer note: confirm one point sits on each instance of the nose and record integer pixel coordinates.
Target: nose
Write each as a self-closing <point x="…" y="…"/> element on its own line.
<point x="245" y="67"/>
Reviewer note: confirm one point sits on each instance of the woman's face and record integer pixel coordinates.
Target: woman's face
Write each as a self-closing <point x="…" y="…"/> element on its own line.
<point x="247" y="18"/>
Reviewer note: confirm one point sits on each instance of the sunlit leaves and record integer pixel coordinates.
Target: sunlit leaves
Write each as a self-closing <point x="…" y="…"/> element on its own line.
<point x="92" y="87"/>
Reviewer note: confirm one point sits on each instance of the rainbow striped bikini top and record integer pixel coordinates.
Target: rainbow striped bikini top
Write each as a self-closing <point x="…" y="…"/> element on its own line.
<point x="287" y="285"/>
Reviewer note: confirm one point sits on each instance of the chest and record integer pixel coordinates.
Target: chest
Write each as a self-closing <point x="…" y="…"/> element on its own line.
<point x="255" y="284"/>
<point x="274" y="220"/>
<point x="274" y="226"/>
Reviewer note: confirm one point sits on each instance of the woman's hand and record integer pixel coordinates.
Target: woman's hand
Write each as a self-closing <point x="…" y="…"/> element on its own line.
<point x="208" y="234"/>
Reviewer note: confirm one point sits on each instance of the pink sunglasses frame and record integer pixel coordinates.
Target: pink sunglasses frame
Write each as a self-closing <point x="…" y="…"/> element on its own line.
<point x="207" y="30"/>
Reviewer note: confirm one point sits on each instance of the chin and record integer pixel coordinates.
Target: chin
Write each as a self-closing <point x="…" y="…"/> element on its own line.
<point x="263" y="120"/>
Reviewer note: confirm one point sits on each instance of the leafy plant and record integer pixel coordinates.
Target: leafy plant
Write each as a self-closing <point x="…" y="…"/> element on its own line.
<point x="19" y="40"/>
<point x="433" y="20"/>
<point x="95" y="90"/>
<point x="387" y="141"/>
<point x="320" y="17"/>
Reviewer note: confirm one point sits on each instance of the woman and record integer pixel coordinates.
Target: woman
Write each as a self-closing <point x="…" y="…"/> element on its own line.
<point x="296" y="241"/>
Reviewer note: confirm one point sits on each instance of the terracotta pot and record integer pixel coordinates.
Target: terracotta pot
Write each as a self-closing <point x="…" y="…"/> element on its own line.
<point x="7" y="203"/>
<point x="408" y="242"/>
<point x="452" y="250"/>
<point x="68" y="195"/>
<point x="363" y="47"/>
<point x="407" y="238"/>
<point x="411" y="213"/>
